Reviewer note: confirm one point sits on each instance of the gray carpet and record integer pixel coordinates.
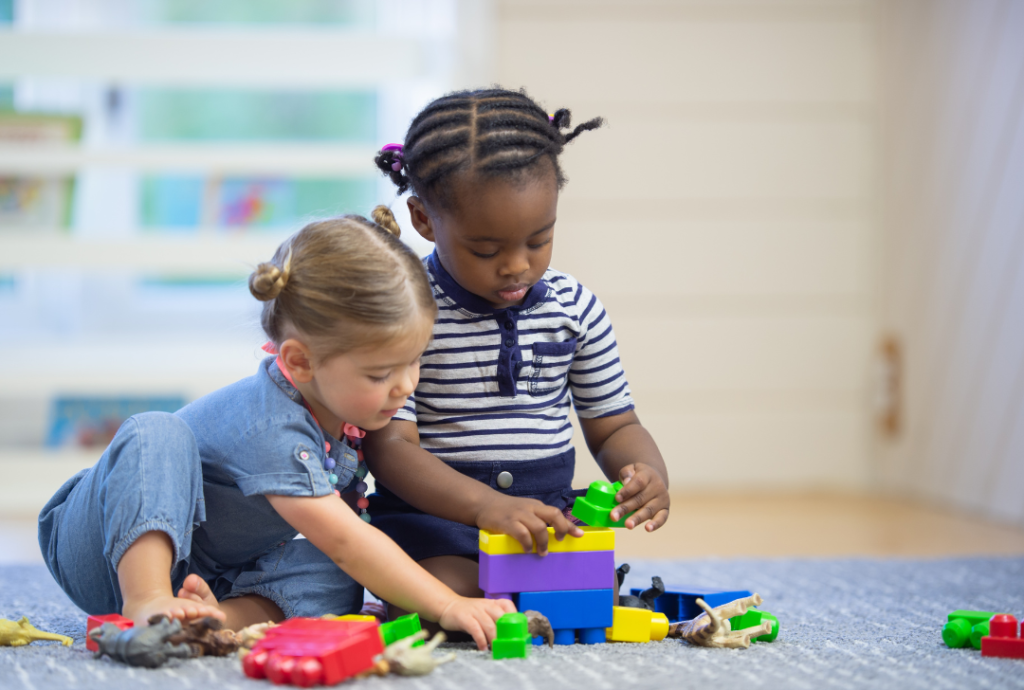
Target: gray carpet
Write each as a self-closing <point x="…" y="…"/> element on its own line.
<point x="844" y="624"/>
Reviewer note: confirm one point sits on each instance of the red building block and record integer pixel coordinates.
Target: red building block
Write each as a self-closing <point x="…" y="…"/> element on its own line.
<point x="313" y="651"/>
<point x="96" y="621"/>
<point x="1003" y="639"/>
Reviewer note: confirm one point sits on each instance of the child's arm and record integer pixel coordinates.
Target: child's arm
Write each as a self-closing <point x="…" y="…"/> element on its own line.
<point x="396" y="459"/>
<point x="626" y="451"/>
<point x="376" y="562"/>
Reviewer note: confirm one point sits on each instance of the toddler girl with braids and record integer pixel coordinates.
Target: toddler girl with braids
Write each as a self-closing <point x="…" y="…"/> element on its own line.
<point x="207" y="502"/>
<point x="485" y="442"/>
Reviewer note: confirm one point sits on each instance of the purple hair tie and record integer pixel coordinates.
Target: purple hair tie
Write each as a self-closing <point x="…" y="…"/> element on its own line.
<point x="397" y="165"/>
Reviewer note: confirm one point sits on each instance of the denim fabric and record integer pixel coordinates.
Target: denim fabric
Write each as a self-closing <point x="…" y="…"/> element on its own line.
<point x="200" y="476"/>
<point x="425" y="536"/>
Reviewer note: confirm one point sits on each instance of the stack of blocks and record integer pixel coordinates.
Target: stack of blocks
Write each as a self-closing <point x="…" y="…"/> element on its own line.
<point x="572" y="585"/>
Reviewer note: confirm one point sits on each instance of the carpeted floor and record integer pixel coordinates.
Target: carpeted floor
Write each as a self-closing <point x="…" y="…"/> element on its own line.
<point x="844" y="624"/>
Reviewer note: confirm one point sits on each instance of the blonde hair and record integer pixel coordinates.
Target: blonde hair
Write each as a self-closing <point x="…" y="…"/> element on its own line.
<point x="343" y="283"/>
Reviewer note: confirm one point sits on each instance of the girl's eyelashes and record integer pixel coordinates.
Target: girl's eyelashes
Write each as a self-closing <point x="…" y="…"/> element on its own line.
<point x="379" y="379"/>
<point x="484" y="256"/>
<point x="538" y="246"/>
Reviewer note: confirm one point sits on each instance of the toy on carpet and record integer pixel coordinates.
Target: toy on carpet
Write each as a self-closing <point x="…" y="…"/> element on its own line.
<point x="20" y="633"/>
<point x="966" y="628"/>
<point x="147" y="646"/>
<point x="406" y="658"/>
<point x="712" y="628"/>
<point x="513" y="640"/>
<point x="679" y="602"/>
<point x="311" y="651"/>
<point x="752" y="619"/>
<point x="206" y="637"/>
<point x="1004" y="639"/>
<point x="539" y="627"/>
<point x="571" y="586"/>
<point x="636" y="625"/>
<point x="95" y="621"/>
<point x="646" y="599"/>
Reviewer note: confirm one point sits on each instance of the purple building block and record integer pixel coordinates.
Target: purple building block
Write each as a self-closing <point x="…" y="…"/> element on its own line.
<point x="529" y="572"/>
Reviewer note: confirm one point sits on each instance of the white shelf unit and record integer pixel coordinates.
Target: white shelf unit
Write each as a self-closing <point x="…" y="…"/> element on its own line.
<point x="404" y="65"/>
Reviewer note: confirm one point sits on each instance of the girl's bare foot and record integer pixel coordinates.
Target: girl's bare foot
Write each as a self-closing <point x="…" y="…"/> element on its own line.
<point x="185" y="609"/>
<point x="195" y="589"/>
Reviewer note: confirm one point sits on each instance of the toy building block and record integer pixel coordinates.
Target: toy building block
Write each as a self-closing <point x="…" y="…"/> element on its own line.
<point x="352" y="617"/>
<point x="752" y="618"/>
<point x="513" y="638"/>
<point x="679" y="602"/>
<point x="599" y="502"/>
<point x="586" y="611"/>
<point x="557" y="571"/>
<point x="312" y="651"/>
<point x="978" y="631"/>
<point x="401" y="628"/>
<point x="1004" y="639"/>
<point x="957" y="632"/>
<point x="593" y="539"/>
<point x="97" y="621"/>
<point x="636" y="625"/>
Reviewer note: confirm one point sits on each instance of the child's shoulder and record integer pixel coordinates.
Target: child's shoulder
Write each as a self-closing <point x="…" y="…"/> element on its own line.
<point x="566" y="289"/>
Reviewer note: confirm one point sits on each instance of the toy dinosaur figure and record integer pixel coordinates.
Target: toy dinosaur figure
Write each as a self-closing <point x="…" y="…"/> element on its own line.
<point x="147" y="645"/>
<point x="21" y="633"/>
<point x="538" y="625"/>
<point x="712" y="628"/>
<point x="406" y="660"/>
<point x="205" y="637"/>
<point x="250" y="635"/>
<point x="646" y="598"/>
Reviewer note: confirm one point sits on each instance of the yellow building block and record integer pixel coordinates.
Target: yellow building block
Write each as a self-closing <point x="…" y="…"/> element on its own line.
<point x="593" y="539"/>
<point x="636" y="625"/>
<point x="352" y="617"/>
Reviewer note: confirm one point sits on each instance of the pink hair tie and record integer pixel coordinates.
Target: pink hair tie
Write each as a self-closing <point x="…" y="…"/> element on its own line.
<point x="398" y="158"/>
<point x="269" y="348"/>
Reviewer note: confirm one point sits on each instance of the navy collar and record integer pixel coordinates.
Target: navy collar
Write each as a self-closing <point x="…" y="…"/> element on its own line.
<point x="466" y="300"/>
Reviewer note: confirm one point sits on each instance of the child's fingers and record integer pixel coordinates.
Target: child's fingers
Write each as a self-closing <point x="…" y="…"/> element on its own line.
<point x="474" y="629"/>
<point x="633" y="478"/>
<point x="657" y="521"/>
<point x="561" y="525"/>
<point x="521" y="534"/>
<point x="646" y="512"/>
<point x="539" y="529"/>
<point x="637" y="495"/>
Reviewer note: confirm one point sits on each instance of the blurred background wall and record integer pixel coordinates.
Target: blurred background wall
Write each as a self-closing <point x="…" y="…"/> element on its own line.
<point x="782" y="188"/>
<point x="952" y="283"/>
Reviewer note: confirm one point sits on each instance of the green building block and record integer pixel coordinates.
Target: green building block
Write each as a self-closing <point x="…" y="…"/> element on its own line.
<point x="754" y="617"/>
<point x="956" y="633"/>
<point x="594" y="508"/>
<point x="513" y="639"/>
<point x="979" y="631"/>
<point x="960" y="630"/>
<point x="401" y="628"/>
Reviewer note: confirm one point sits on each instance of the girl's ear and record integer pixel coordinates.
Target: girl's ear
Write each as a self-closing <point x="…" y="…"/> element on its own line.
<point x="297" y="359"/>
<point x="420" y="218"/>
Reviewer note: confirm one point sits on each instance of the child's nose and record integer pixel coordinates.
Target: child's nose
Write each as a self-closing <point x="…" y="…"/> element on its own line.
<point x="517" y="264"/>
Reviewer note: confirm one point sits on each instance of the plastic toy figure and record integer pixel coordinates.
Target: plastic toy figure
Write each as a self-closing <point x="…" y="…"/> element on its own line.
<point x="712" y="628"/>
<point x="646" y="598"/>
<point x="205" y="637"/>
<point x="406" y="660"/>
<point x="22" y="633"/>
<point x="147" y="646"/>
<point x="538" y="625"/>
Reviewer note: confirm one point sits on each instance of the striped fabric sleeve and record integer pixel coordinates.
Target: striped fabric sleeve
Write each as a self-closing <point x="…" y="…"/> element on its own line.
<point x="408" y="412"/>
<point x="598" y="382"/>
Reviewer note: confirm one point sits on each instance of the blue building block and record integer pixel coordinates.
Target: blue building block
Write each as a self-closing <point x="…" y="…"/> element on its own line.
<point x="586" y="612"/>
<point x="679" y="602"/>
<point x="572" y="609"/>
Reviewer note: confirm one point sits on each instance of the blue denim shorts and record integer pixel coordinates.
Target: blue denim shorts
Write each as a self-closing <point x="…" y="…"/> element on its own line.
<point x="425" y="536"/>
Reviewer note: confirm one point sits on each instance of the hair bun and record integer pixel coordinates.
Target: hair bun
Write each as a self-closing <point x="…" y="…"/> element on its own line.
<point x="383" y="216"/>
<point x="267" y="281"/>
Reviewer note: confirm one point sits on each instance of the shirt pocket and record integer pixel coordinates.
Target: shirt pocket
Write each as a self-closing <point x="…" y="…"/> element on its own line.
<point x="551" y="362"/>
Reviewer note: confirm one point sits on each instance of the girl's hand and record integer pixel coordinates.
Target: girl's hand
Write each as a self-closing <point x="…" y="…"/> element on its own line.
<point x="526" y="520"/>
<point x="476" y="617"/>
<point x="643" y="490"/>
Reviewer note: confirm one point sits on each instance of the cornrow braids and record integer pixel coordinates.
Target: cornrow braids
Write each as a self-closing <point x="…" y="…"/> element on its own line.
<point x="492" y="132"/>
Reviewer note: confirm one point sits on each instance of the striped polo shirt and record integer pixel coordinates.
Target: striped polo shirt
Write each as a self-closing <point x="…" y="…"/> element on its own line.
<point x="497" y="384"/>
